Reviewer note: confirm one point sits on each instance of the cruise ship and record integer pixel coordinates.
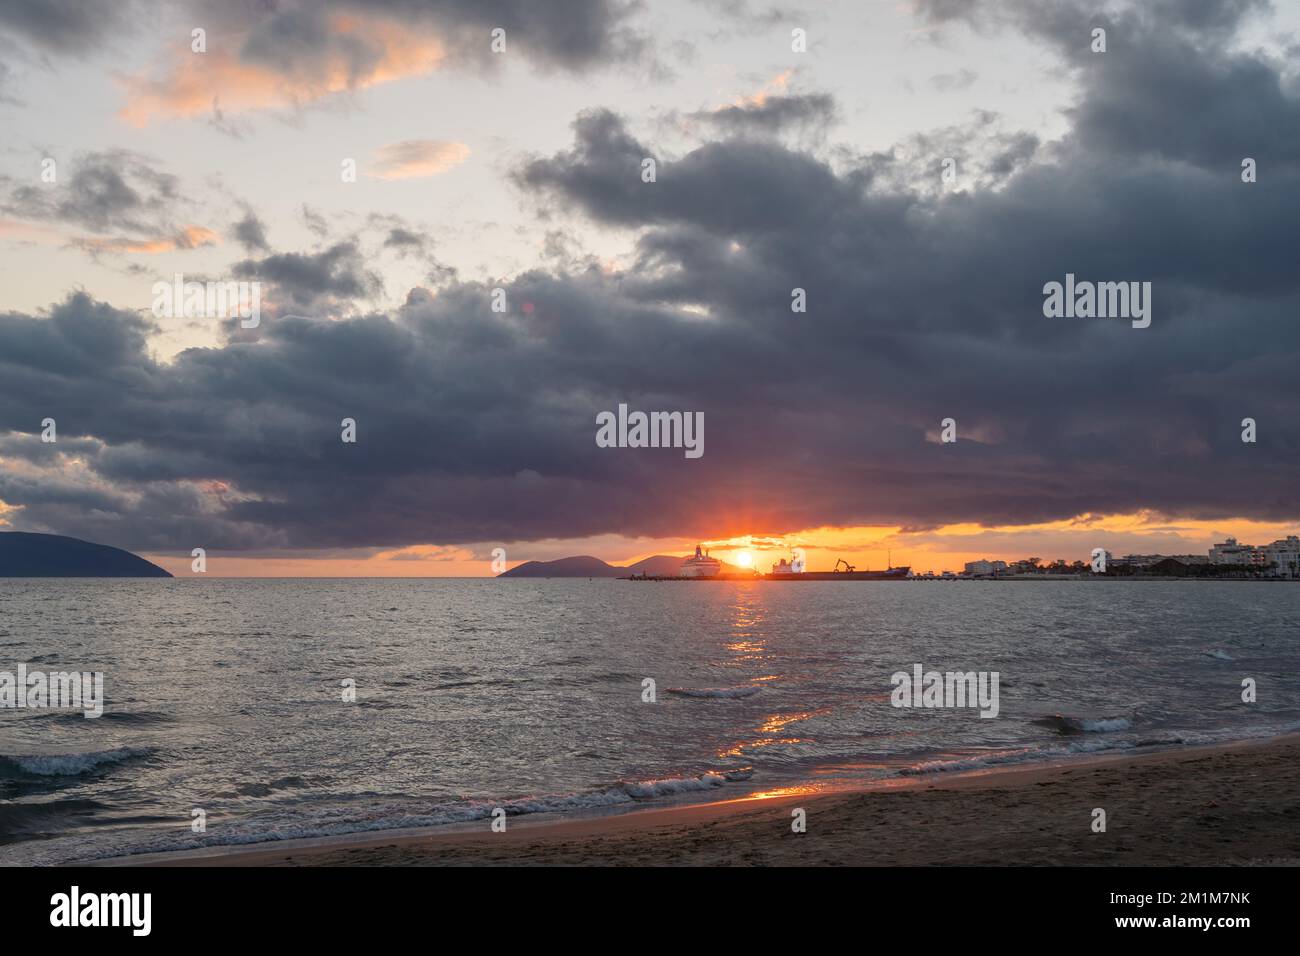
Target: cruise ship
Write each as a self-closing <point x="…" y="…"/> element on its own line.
<point x="700" y="566"/>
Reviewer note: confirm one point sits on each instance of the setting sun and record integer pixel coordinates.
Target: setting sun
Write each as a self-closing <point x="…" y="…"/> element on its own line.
<point x="745" y="559"/>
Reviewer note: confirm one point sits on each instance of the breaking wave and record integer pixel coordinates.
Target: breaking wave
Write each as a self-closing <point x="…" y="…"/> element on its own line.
<point x="64" y="765"/>
<point x="1070" y="726"/>
<point x="338" y="821"/>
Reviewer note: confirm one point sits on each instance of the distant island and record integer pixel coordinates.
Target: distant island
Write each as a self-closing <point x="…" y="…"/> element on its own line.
<point x="585" y="566"/>
<point x="25" y="555"/>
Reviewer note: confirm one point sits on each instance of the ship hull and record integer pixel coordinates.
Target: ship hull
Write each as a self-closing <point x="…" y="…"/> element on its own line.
<point x="698" y="572"/>
<point x="893" y="574"/>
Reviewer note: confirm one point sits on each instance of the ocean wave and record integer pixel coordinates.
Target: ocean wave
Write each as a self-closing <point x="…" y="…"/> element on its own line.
<point x="21" y="820"/>
<point x="1068" y="726"/>
<point x="65" y="765"/>
<point x="340" y="821"/>
<point x="1095" y="745"/>
<point x="1220" y="655"/>
<point x="490" y="682"/>
<point x="134" y="718"/>
<point x="1026" y="755"/>
<point x="716" y="693"/>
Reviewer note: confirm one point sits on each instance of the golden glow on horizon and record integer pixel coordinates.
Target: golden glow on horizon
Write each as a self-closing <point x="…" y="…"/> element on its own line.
<point x="947" y="547"/>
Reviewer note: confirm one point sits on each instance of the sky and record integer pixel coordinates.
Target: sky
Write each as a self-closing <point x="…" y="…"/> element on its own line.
<point x="386" y="172"/>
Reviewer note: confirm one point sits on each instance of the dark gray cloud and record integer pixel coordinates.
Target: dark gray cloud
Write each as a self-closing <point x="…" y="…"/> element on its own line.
<point x="1167" y="62"/>
<point x="250" y="232"/>
<point x="111" y="202"/>
<point x="338" y="272"/>
<point x="65" y="26"/>
<point x="773" y="114"/>
<point x="1200" y="21"/>
<point x="402" y="238"/>
<point x="984" y="153"/>
<point x="105" y="191"/>
<point x="716" y="185"/>
<point x="296" y="38"/>
<point x="923" y="304"/>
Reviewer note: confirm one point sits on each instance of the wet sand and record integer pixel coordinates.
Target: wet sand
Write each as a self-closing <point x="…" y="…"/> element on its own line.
<point x="1230" y="805"/>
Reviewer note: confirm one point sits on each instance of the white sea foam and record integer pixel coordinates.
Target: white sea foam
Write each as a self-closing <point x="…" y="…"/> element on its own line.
<point x="1026" y="755"/>
<point x="1094" y="745"/>
<point x="339" y="821"/>
<point x="1068" y="726"/>
<point x="1105" y="725"/>
<point x="664" y="788"/>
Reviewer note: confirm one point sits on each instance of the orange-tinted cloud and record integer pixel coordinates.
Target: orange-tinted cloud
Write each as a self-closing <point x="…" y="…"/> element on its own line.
<point x="414" y="158"/>
<point x="13" y="229"/>
<point x="775" y="86"/>
<point x="191" y="237"/>
<point x="198" y="82"/>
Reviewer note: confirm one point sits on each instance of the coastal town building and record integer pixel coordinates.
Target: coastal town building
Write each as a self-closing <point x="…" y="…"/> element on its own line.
<point x="1137" y="560"/>
<point x="1232" y="552"/>
<point x="1283" y="555"/>
<point x="1227" y="559"/>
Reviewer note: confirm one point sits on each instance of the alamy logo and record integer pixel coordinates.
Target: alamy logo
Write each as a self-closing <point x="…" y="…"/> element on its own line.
<point x="208" y="300"/>
<point x="37" y="690"/>
<point x="1098" y="300"/>
<point x="651" y="430"/>
<point x="923" y="688"/>
<point x="103" y="909"/>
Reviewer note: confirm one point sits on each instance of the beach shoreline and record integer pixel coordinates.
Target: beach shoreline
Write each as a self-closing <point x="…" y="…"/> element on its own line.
<point x="1224" y="804"/>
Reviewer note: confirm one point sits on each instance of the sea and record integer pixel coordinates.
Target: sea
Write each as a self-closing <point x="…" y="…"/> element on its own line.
<point x="241" y="711"/>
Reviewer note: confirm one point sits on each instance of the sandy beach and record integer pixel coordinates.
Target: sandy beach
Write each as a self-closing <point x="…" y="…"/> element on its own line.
<point x="1229" y="805"/>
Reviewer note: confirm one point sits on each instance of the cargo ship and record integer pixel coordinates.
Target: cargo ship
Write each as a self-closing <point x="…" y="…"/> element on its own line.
<point x="783" y="570"/>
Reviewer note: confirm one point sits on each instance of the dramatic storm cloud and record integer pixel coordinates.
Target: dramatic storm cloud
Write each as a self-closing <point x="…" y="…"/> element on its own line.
<point x="924" y="302"/>
<point x="65" y="26"/>
<point x="275" y="55"/>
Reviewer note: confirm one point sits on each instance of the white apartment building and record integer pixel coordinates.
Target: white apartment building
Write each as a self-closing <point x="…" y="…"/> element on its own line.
<point x="985" y="567"/>
<point x="1284" y="554"/>
<point x="1230" y="552"/>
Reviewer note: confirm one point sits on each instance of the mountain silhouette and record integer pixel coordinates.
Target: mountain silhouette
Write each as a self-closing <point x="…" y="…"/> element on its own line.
<point x="585" y="566"/>
<point x="25" y="555"/>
